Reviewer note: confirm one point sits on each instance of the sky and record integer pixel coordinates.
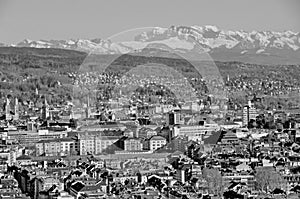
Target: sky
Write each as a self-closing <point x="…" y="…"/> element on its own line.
<point x="86" y="19"/>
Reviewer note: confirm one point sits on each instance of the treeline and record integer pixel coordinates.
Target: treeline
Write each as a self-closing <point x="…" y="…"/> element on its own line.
<point x="23" y="70"/>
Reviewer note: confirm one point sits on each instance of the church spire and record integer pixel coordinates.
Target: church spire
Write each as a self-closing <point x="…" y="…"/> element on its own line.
<point x="45" y="110"/>
<point x="16" y="109"/>
<point x="7" y="109"/>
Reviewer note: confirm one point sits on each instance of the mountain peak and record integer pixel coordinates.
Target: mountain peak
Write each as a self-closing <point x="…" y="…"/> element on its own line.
<point x="211" y="28"/>
<point x="210" y="38"/>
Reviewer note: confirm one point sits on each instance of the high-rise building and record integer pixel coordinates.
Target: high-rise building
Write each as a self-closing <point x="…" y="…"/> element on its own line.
<point x="173" y="117"/>
<point x="249" y="113"/>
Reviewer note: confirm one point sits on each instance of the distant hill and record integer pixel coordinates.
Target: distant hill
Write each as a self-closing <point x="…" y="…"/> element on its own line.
<point x="25" y="69"/>
<point x="259" y="47"/>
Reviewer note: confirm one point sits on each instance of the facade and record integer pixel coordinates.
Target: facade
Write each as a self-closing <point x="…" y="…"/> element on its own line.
<point x="45" y="110"/>
<point x="194" y="132"/>
<point x="42" y="184"/>
<point x="146" y="133"/>
<point x="229" y="138"/>
<point x="94" y="143"/>
<point x="24" y="160"/>
<point x="9" y="157"/>
<point x="54" y="147"/>
<point x="173" y="118"/>
<point x="249" y="113"/>
<point x="30" y="137"/>
<point x="16" y="109"/>
<point x="156" y="142"/>
<point x="8" y="115"/>
<point x="133" y="144"/>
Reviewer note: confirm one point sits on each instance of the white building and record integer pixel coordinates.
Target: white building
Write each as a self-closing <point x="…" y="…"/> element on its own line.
<point x="194" y="132"/>
<point x="156" y="142"/>
<point x="53" y="147"/>
<point x="249" y="113"/>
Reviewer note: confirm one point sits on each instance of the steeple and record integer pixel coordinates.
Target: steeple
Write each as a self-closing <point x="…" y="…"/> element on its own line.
<point x="16" y="117"/>
<point x="45" y="110"/>
<point x="7" y="109"/>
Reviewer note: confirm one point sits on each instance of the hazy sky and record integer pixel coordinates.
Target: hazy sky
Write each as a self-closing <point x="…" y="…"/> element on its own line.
<point x="65" y="19"/>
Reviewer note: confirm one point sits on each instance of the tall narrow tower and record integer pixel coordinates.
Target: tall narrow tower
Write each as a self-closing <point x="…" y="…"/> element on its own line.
<point x="16" y="117"/>
<point x="249" y="112"/>
<point x="45" y="110"/>
<point x="88" y="108"/>
<point x="7" y="110"/>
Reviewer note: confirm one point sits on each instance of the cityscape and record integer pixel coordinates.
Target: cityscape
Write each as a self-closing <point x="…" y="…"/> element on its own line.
<point x="181" y="112"/>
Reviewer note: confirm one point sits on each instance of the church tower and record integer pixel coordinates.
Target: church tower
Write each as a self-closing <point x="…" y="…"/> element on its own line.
<point x="17" y="115"/>
<point x="8" y="116"/>
<point x="45" y="110"/>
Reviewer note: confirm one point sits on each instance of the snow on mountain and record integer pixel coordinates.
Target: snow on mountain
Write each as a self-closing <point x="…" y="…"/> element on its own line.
<point x="211" y="28"/>
<point x="260" y="51"/>
<point x="244" y="52"/>
<point x="212" y="37"/>
<point x="187" y="38"/>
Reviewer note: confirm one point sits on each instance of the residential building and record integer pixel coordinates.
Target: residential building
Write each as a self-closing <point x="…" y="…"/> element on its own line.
<point x="133" y="144"/>
<point x="53" y="147"/>
<point x="174" y="117"/>
<point x="95" y="143"/>
<point x="155" y="142"/>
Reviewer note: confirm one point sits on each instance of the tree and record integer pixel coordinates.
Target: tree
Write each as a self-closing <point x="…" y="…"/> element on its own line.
<point x="268" y="179"/>
<point x="214" y="181"/>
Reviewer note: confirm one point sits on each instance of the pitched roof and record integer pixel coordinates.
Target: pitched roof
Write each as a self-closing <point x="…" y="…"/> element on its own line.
<point x="176" y="153"/>
<point x="67" y="139"/>
<point x="157" y="137"/>
<point x="78" y="186"/>
<point x="24" y="157"/>
<point x="214" y="138"/>
<point x="90" y="188"/>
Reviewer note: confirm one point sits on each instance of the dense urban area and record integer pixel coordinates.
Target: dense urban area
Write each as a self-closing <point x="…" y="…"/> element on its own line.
<point x="71" y="134"/>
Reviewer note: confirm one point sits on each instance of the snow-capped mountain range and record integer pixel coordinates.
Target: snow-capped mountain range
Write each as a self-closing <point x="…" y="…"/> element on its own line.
<point x="256" y="46"/>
